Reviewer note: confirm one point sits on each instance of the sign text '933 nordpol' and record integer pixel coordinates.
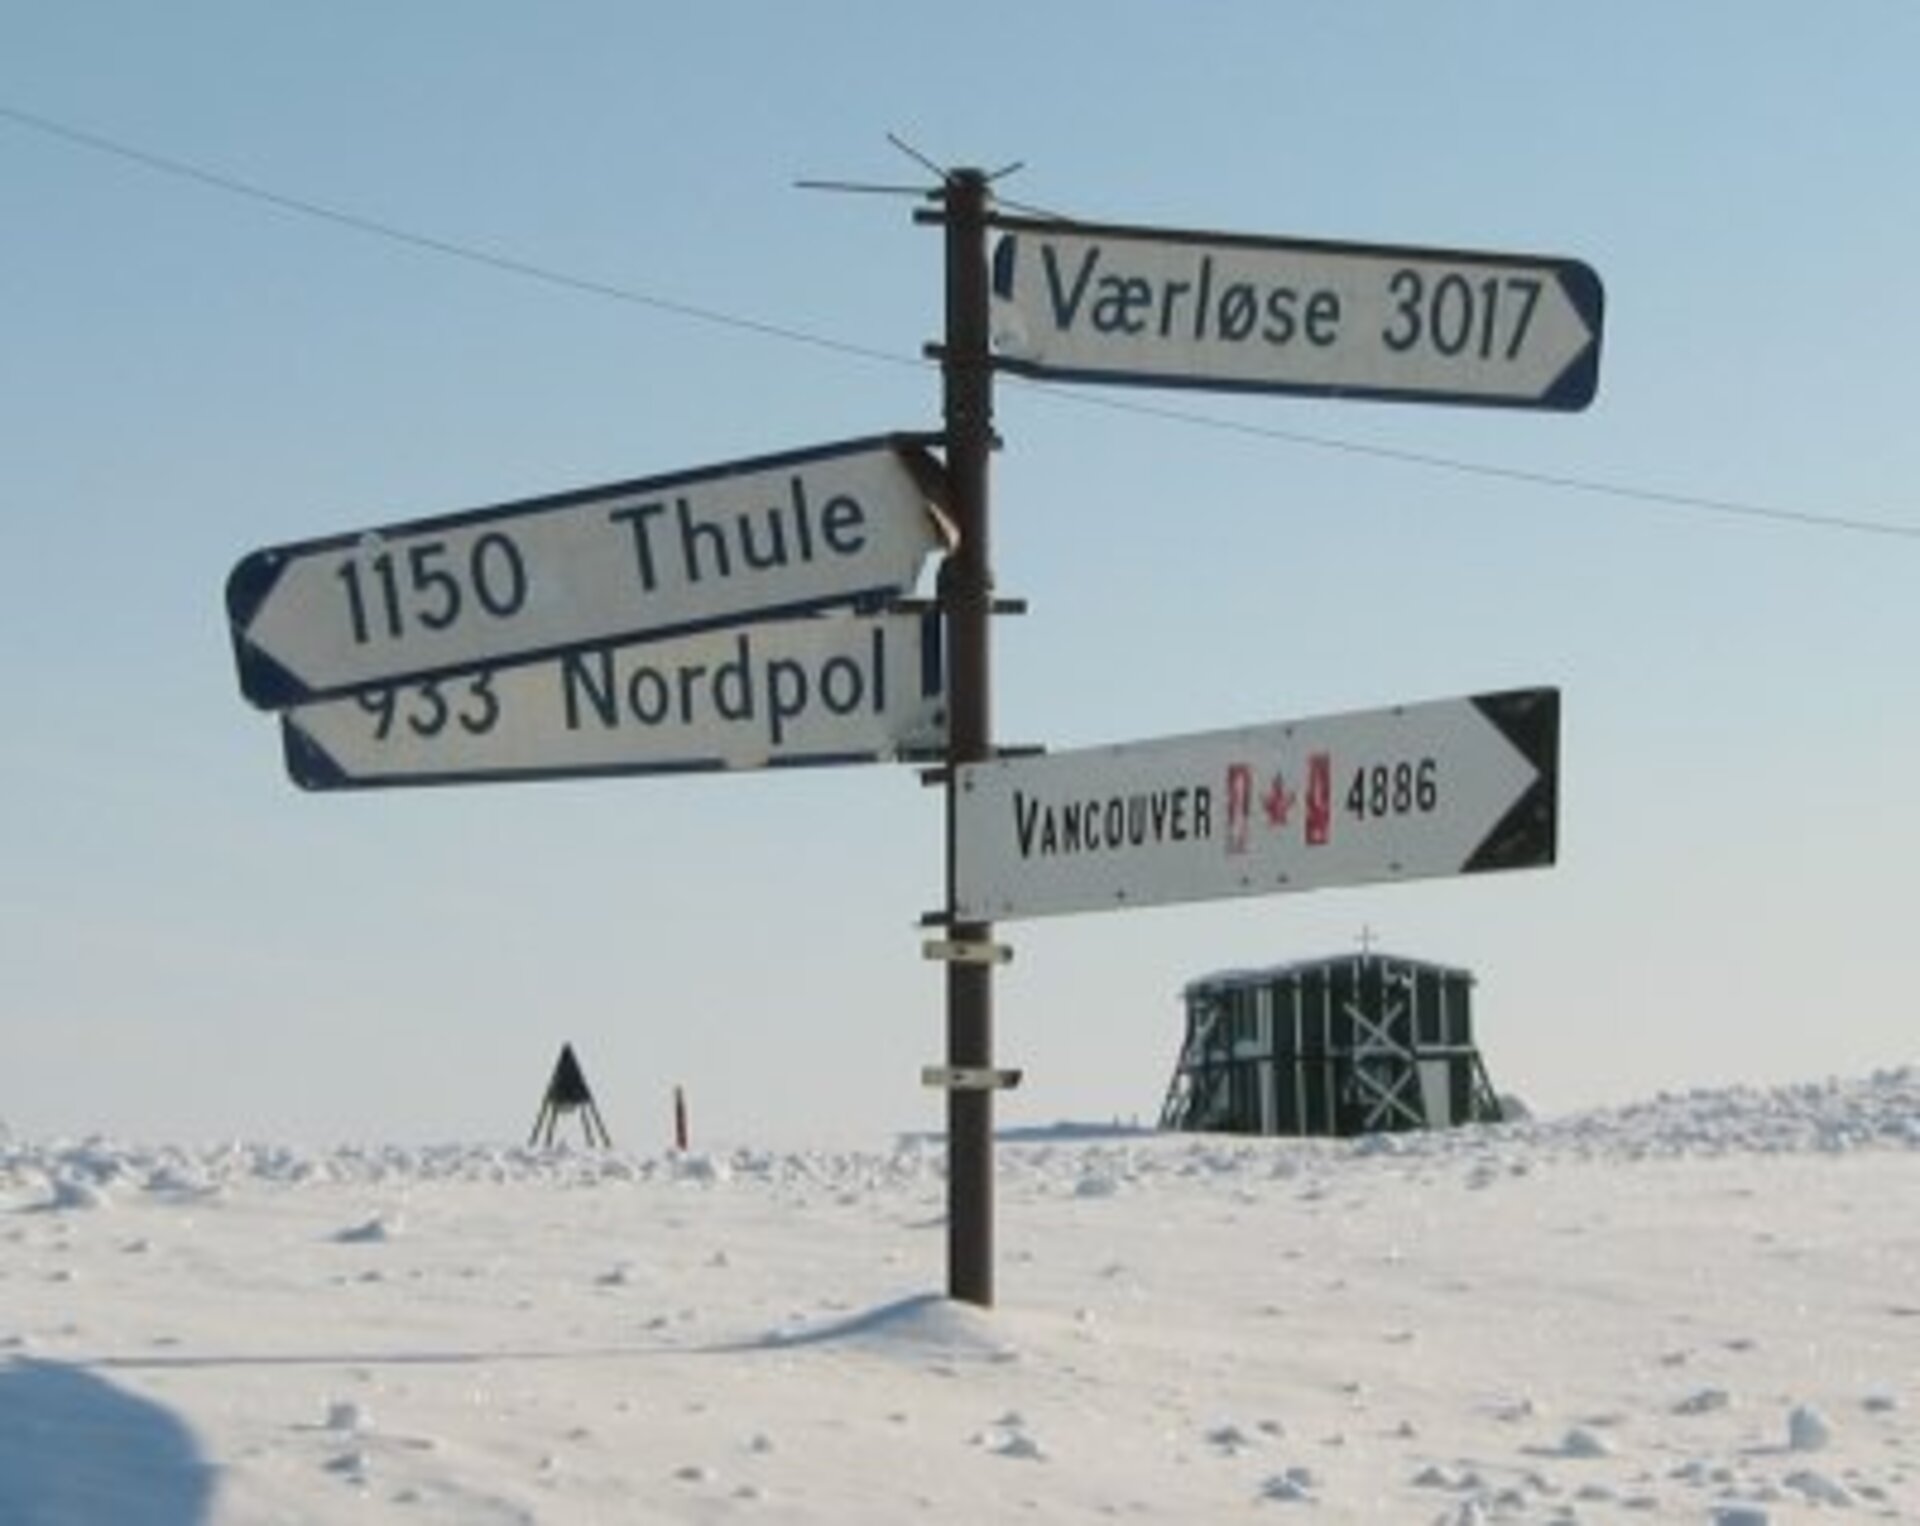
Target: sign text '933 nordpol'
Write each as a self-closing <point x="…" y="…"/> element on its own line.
<point x="831" y="688"/>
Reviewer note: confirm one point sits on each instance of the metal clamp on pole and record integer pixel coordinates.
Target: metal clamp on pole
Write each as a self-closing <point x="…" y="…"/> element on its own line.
<point x="943" y="775"/>
<point x="969" y="1078"/>
<point x="954" y="951"/>
<point x="922" y="606"/>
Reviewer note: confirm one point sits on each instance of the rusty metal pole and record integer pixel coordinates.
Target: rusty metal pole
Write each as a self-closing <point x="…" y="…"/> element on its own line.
<point x="967" y="598"/>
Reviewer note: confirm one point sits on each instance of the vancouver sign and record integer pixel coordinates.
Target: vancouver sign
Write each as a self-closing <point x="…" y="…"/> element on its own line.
<point x="1223" y="311"/>
<point x="1438" y="788"/>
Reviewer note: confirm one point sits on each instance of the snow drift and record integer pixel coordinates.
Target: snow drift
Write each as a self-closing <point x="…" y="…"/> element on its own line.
<point x="1705" y="1308"/>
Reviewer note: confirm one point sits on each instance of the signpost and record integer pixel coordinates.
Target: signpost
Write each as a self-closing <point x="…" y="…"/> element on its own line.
<point x="632" y="628"/>
<point x="836" y="525"/>
<point x="966" y="593"/>
<point x="1226" y="312"/>
<point x="826" y="689"/>
<point x="1440" y="788"/>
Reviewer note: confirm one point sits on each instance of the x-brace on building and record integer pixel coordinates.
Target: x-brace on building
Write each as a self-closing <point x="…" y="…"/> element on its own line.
<point x="1356" y="1044"/>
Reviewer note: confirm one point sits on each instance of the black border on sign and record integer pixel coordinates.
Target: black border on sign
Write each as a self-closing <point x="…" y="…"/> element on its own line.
<point x="313" y="768"/>
<point x="1527" y="836"/>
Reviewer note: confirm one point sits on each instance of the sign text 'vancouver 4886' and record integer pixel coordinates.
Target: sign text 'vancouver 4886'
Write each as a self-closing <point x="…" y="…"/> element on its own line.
<point x="1438" y="788"/>
<point x="835" y="525"/>
<point x="1225" y="311"/>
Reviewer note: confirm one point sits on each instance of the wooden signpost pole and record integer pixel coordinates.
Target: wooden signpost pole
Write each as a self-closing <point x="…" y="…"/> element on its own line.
<point x="966" y="592"/>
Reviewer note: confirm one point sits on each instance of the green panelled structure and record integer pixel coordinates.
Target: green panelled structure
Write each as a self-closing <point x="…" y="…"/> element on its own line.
<point x="1357" y="1044"/>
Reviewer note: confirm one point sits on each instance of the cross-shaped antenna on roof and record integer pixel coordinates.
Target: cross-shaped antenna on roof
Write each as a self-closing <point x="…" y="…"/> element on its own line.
<point x="1368" y="937"/>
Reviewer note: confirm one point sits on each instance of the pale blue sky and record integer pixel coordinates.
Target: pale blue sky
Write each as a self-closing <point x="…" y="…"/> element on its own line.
<point x="190" y="947"/>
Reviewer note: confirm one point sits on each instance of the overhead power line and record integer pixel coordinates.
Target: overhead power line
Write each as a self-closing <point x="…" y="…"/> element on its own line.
<point x="504" y="263"/>
<point x="1692" y="502"/>
<point x="588" y="286"/>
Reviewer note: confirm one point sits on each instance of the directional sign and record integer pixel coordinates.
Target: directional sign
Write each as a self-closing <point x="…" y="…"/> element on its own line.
<point x="839" y="524"/>
<point x="1226" y="312"/>
<point x="1439" y="788"/>
<point x="827" y="689"/>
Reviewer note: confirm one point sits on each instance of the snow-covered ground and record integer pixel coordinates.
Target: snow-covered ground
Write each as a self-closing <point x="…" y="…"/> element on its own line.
<point x="1703" y="1309"/>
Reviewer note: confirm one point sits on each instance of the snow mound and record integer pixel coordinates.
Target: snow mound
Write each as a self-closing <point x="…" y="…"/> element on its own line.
<point x="1698" y="1309"/>
<point x="1877" y="1112"/>
<point x="1880" y="1111"/>
<point x="919" y="1327"/>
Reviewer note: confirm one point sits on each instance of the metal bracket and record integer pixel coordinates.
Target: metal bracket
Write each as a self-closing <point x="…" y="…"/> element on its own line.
<point x="969" y="1078"/>
<point x="952" y="951"/>
<point x="937" y="776"/>
<point x="914" y="606"/>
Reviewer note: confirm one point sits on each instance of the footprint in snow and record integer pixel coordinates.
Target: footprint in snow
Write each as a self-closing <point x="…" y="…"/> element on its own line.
<point x="1229" y="1439"/>
<point x="377" y="1230"/>
<point x="1294" y="1485"/>
<point x="1818" y="1489"/>
<point x="1004" y="1442"/>
<point x="352" y="1466"/>
<point x="1808" y="1430"/>
<point x="1581" y="1441"/>
<point x="1007" y="1437"/>
<point x="1433" y="1476"/>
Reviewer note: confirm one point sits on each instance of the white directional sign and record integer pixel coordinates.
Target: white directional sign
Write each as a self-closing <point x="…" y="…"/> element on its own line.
<point x="826" y="689"/>
<point x="1221" y="311"/>
<point x="836" y="525"/>
<point x="1439" y="788"/>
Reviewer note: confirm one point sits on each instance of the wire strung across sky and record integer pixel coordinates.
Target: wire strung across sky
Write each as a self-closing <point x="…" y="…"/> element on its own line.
<point x="587" y="286"/>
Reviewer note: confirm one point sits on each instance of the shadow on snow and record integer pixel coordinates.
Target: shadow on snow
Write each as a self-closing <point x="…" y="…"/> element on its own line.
<point x="74" y="1448"/>
<point x="923" y="1324"/>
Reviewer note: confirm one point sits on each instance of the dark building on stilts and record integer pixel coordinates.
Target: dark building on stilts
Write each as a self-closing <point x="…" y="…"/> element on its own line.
<point x="1357" y="1044"/>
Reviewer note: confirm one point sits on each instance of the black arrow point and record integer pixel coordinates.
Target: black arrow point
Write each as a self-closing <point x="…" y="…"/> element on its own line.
<point x="309" y="764"/>
<point x="264" y="682"/>
<point x="1528" y="835"/>
<point x="1575" y="387"/>
<point x="248" y="585"/>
